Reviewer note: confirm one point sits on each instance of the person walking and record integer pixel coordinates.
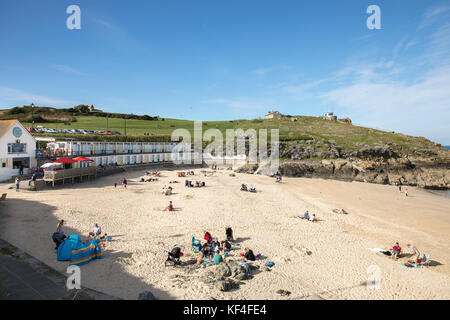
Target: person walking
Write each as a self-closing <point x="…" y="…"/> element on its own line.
<point x="17" y="182"/>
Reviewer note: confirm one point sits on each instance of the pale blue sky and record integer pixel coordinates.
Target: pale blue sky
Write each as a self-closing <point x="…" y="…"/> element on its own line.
<point x="221" y="60"/>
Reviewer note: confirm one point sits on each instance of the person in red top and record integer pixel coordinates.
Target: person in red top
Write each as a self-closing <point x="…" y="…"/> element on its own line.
<point x="396" y="250"/>
<point x="207" y="237"/>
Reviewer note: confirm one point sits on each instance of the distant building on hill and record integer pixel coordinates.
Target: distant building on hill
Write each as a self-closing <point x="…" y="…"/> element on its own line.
<point x="274" y="115"/>
<point x="330" y="116"/>
<point x="92" y="108"/>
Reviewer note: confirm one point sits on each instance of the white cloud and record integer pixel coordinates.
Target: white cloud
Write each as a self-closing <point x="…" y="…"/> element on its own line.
<point x="432" y="15"/>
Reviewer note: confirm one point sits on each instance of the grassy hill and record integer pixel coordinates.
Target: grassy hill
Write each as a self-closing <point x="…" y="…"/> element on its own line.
<point x="314" y="130"/>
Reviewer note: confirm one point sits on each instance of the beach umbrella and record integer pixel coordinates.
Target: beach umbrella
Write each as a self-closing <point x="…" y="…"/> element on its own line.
<point x="50" y="164"/>
<point x="82" y="159"/>
<point x="64" y="160"/>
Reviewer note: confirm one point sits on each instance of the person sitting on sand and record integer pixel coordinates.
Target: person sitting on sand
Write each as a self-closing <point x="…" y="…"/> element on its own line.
<point x="208" y="237"/>
<point x="396" y="250"/>
<point x="252" y="189"/>
<point x="306" y="215"/>
<point x="226" y="246"/>
<point x="201" y="257"/>
<point x="96" y="231"/>
<point x="218" y="257"/>
<point x="313" y="218"/>
<point x="59" y="227"/>
<point x="415" y="252"/>
<point x="244" y="187"/>
<point x="206" y="250"/>
<point x="170" y="206"/>
<point x="249" y="255"/>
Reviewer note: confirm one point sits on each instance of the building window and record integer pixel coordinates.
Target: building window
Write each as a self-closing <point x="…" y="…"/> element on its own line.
<point x="17" y="147"/>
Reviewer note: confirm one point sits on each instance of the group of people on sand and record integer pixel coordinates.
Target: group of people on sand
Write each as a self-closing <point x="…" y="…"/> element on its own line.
<point x="153" y="173"/>
<point x="167" y="190"/>
<point x="306" y="216"/>
<point x="245" y="188"/>
<point x="150" y="179"/>
<point x="59" y="235"/>
<point x="124" y="183"/>
<point x="396" y="251"/>
<point x="198" y="184"/>
<point x="211" y="249"/>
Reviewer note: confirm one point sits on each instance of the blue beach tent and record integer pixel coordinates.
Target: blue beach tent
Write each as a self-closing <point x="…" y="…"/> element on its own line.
<point x="73" y="242"/>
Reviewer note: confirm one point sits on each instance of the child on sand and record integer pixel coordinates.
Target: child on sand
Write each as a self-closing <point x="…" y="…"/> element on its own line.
<point x="124" y="183"/>
<point x="396" y="251"/>
<point x="170" y="206"/>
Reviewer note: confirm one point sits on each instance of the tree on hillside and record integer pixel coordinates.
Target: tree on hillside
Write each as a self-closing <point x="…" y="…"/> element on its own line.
<point x="81" y="108"/>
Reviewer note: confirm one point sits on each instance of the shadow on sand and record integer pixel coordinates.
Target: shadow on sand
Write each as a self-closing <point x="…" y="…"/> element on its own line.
<point x="29" y="225"/>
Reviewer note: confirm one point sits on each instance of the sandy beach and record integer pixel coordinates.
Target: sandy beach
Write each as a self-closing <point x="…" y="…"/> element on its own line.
<point x="337" y="268"/>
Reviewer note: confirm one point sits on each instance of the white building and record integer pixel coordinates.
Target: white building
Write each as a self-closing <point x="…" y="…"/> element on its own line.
<point x="330" y="116"/>
<point x="122" y="153"/>
<point x="273" y="115"/>
<point x="17" y="148"/>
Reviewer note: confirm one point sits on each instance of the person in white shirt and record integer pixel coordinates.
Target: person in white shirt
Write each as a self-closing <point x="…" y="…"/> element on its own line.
<point x="313" y="217"/>
<point x="97" y="231"/>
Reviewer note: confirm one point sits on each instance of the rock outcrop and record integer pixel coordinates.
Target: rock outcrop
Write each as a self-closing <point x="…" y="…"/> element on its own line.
<point x="432" y="174"/>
